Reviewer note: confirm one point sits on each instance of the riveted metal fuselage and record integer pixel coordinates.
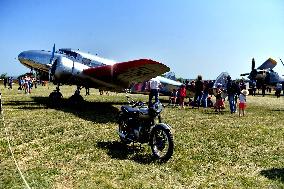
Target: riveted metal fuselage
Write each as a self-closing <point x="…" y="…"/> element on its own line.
<point x="67" y="69"/>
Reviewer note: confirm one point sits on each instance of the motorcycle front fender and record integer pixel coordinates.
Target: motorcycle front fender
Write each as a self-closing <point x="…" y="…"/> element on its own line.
<point x="163" y="125"/>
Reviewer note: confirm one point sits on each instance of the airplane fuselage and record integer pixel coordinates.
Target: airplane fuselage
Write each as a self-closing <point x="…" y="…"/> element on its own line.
<point x="68" y="65"/>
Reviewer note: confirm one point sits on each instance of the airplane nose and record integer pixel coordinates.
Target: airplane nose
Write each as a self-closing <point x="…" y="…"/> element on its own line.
<point x="24" y="58"/>
<point x="21" y="56"/>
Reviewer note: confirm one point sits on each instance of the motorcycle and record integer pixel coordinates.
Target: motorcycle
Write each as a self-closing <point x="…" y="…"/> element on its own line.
<point x="139" y="123"/>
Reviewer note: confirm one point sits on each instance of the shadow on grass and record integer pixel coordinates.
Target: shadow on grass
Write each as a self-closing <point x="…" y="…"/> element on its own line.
<point x="274" y="174"/>
<point x="118" y="150"/>
<point x="97" y="112"/>
<point x="278" y="110"/>
<point x="212" y="111"/>
<point x="19" y="103"/>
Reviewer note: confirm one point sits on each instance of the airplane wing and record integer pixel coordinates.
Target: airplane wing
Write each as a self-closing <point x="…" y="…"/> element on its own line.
<point x="125" y="73"/>
<point x="268" y="64"/>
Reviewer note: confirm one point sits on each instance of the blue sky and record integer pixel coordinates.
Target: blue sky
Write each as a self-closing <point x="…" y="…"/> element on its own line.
<point x="191" y="37"/>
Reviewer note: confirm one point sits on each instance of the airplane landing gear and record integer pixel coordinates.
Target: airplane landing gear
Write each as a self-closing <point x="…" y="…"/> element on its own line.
<point x="76" y="98"/>
<point x="55" y="97"/>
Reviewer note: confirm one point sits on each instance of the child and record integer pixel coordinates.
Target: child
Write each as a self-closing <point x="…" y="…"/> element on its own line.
<point x="242" y="102"/>
<point x="173" y="97"/>
<point x="219" y="100"/>
<point x="182" y="95"/>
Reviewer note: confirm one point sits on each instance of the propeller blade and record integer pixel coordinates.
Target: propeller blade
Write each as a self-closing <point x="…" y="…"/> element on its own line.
<point x="245" y="74"/>
<point x="252" y="64"/>
<point x="51" y="62"/>
<point x="52" y="54"/>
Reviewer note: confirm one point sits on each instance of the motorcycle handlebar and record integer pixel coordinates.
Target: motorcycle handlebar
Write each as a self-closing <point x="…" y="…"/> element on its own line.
<point x="134" y="103"/>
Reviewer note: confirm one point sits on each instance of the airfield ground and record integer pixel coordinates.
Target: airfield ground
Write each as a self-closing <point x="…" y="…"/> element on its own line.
<point x="71" y="147"/>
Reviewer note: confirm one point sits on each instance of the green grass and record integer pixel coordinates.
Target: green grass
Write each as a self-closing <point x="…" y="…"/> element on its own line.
<point x="71" y="147"/>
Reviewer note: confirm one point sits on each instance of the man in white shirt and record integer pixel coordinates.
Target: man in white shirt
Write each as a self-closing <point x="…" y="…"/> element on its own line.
<point x="154" y="85"/>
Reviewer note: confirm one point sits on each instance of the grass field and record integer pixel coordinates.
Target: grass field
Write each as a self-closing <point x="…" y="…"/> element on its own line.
<point x="71" y="147"/>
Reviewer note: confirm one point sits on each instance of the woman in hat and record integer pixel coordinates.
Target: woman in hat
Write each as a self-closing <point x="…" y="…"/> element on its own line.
<point x="242" y="101"/>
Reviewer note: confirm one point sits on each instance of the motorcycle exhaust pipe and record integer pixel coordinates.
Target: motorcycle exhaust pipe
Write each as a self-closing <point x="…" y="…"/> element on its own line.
<point x="123" y="136"/>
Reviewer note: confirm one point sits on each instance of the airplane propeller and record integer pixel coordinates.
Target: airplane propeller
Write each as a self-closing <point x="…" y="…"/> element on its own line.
<point x="252" y="68"/>
<point x="51" y="63"/>
<point x="253" y="71"/>
<point x="252" y="64"/>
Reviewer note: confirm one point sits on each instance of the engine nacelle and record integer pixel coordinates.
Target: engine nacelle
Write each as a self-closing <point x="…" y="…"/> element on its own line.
<point x="65" y="68"/>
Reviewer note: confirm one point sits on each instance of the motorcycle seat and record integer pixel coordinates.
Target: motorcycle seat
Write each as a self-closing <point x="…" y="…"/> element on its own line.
<point x="129" y="109"/>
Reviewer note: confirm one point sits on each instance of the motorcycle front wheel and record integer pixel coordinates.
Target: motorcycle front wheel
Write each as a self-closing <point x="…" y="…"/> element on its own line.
<point x="161" y="142"/>
<point x="122" y="128"/>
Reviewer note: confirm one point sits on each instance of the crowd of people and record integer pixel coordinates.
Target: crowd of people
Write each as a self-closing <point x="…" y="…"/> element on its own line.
<point x="9" y="81"/>
<point x="25" y="83"/>
<point x="204" y="91"/>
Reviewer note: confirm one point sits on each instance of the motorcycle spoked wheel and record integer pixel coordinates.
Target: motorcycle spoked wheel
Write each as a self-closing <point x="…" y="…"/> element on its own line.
<point x="161" y="142"/>
<point x="122" y="126"/>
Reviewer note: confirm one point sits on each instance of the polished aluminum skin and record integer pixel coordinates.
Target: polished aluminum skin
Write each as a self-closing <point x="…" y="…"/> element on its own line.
<point x="68" y="65"/>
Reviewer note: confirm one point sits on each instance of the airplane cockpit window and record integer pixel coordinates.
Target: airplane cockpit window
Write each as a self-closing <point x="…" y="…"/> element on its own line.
<point x="86" y="61"/>
<point x="69" y="53"/>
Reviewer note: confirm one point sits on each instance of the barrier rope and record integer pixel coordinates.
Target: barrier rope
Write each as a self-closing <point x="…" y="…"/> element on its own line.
<point x="9" y="144"/>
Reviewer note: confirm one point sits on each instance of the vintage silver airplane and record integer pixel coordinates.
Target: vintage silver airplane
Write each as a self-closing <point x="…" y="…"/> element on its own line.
<point x="67" y="66"/>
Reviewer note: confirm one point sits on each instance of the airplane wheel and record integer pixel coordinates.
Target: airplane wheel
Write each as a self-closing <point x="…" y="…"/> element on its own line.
<point x="76" y="99"/>
<point x="55" y="98"/>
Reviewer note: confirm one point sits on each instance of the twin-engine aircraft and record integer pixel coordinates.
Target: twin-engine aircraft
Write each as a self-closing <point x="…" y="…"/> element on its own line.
<point x="67" y="66"/>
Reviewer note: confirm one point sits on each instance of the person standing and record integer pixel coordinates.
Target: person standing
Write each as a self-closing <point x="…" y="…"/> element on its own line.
<point x="154" y="86"/>
<point x="263" y="88"/>
<point x="27" y="85"/>
<point x="198" y="90"/>
<point x="242" y="102"/>
<point x="5" y="82"/>
<point x="182" y="95"/>
<point x="242" y="85"/>
<point x="10" y="82"/>
<point x="278" y="90"/>
<point x="253" y="87"/>
<point x="173" y="97"/>
<point x="205" y="94"/>
<point x="232" y="91"/>
<point x="219" y="105"/>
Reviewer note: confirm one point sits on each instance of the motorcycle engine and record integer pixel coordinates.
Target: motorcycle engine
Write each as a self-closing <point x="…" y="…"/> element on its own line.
<point x="137" y="132"/>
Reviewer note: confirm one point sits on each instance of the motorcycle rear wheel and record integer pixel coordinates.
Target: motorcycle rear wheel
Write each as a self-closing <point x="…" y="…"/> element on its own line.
<point x="161" y="142"/>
